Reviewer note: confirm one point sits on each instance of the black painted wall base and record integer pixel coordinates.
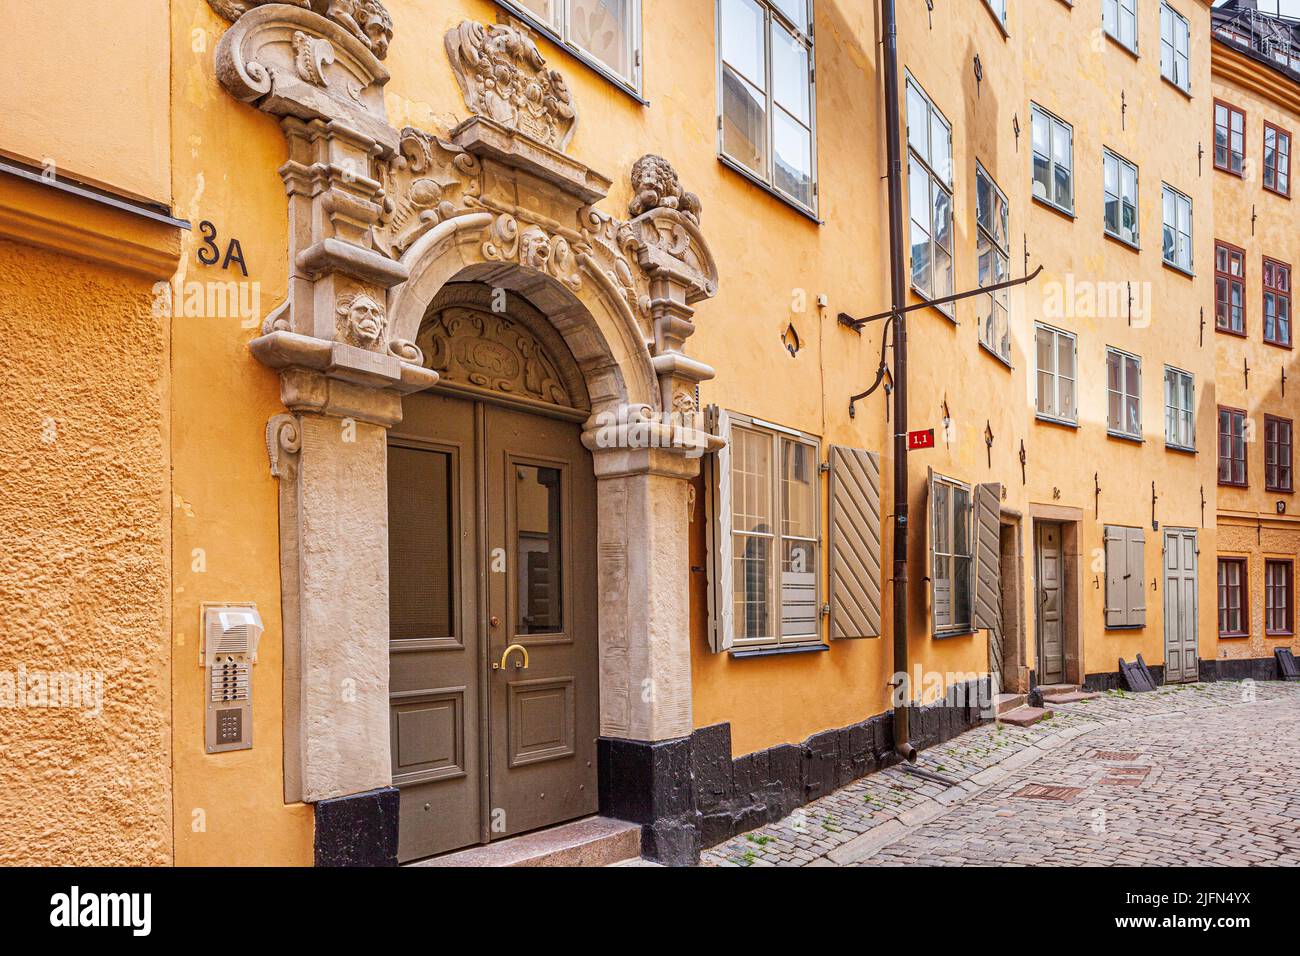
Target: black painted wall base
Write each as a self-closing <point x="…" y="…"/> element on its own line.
<point x="1255" y="668"/>
<point x="358" y="830"/>
<point x="689" y="794"/>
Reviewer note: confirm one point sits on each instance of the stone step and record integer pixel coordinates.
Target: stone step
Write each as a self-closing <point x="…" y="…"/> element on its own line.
<point x="592" y="841"/>
<point x="1006" y="702"/>
<point x="1024" y="716"/>
<point x="1046" y="689"/>
<point x="1069" y="697"/>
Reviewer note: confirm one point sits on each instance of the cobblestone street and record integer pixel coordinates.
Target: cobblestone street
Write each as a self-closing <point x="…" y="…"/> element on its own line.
<point x="1204" y="774"/>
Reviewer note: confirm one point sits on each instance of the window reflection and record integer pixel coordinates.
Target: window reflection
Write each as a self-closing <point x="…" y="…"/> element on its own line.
<point x="538" y="544"/>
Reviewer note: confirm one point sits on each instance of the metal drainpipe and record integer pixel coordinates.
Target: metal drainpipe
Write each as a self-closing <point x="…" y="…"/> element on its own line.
<point x="898" y="293"/>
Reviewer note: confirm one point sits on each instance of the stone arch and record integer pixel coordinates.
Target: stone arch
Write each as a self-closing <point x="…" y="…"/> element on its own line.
<point x="594" y="320"/>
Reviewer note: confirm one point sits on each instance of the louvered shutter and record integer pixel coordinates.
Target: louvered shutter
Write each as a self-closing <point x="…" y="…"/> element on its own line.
<point x="720" y="568"/>
<point x="988" y="565"/>
<point x="1116" y="582"/>
<point x="855" y="553"/>
<point x="1136" y="595"/>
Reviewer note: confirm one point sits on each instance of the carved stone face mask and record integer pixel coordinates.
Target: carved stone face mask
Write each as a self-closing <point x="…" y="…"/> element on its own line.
<point x="366" y="321"/>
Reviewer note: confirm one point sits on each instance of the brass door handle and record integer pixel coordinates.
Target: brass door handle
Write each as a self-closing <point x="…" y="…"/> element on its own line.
<point x="506" y="654"/>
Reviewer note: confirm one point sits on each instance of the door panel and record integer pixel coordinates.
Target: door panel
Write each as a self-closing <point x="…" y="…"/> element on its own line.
<point x="1180" y="606"/>
<point x="435" y="652"/>
<point x="541" y="494"/>
<point x="1050" y="604"/>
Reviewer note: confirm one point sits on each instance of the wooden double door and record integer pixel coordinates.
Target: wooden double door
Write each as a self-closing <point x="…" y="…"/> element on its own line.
<point x="493" y="630"/>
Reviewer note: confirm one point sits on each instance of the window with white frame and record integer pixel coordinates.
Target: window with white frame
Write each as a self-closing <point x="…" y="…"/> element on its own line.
<point x="1180" y="414"/>
<point x="1120" y="186"/>
<point x="952" y="538"/>
<point x="1119" y="20"/>
<point x="1053" y="159"/>
<point x="766" y="79"/>
<point x="999" y="8"/>
<point x="991" y="248"/>
<point x="1174" y="40"/>
<point x="1124" y="394"/>
<point x="929" y="179"/>
<point x="775" y="533"/>
<point x="1057" y="361"/>
<point x="1177" y="231"/>
<point x="607" y="32"/>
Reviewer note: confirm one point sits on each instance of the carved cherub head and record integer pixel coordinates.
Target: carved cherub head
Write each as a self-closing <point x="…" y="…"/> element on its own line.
<point x="362" y="319"/>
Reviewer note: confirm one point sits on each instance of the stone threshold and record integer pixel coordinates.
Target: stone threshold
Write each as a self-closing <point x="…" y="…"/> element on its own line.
<point x="592" y="841"/>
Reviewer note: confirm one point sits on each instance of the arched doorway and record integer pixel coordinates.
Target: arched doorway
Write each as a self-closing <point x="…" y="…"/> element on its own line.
<point x="493" y="644"/>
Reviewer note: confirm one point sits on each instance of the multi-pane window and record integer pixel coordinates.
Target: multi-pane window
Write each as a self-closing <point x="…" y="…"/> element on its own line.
<point x="1229" y="288"/>
<point x="768" y="97"/>
<point x="1120" y="187"/>
<point x="1279" y="617"/>
<point x="1174" y="39"/>
<point x="607" y="32"/>
<point x="1229" y="138"/>
<point x="1177" y="232"/>
<point x="929" y="178"/>
<point x="1180" y="414"/>
<point x="775" y="534"/>
<point x="1123" y="393"/>
<point x="1232" y="446"/>
<point x="1053" y="159"/>
<point x="1119" y="20"/>
<point x="952" y="548"/>
<point x="1277" y="454"/>
<point x="1057" y="359"/>
<point x="999" y="8"/>
<point x="991" y="247"/>
<point x="1277" y="302"/>
<point x="1277" y="160"/>
<point x="1232" y="613"/>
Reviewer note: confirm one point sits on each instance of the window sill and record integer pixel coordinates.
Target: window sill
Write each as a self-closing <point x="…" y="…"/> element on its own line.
<point x="1004" y="362"/>
<point x="1234" y="637"/>
<point x="1131" y="51"/>
<point x="1240" y="335"/>
<point x="1279" y="491"/>
<point x="1181" y="449"/>
<point x="1242" y="485"/>
<point x="1120" y="240"/>
<point x="769" y="189"/>
<point x="1174" y="86"/>
<point x="777" y="649"/>
<point x="1135" y="439"/>
<point x="1228" y="172"/>
<point x="586" y="59"/>
<point x="1124" y="627"/>
<point x="1281" y="634"/>
<point x="944" y="635"/>
<point x="1285" y="346"/>
<point x="1278" y="193"/>
<point x="1186" y="273"/>
<point x="925" y="300"/>
<point x="1059" y="210"/>
<point x="1062" y="422"/>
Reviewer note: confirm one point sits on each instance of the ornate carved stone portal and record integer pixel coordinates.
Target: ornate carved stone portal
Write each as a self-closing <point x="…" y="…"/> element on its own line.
<point x="380" y="221"/>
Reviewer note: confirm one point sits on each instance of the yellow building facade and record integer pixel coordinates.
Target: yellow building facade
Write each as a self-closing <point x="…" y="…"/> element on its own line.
<point x="492" y="354"/>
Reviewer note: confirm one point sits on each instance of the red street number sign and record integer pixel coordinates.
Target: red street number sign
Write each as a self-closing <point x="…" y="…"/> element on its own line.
<point x="924" y="439"/>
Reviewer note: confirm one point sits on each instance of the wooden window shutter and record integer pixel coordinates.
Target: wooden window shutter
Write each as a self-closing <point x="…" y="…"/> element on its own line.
<point x="1116" y="571"/>
<point x="855" y="553"/>
<point x="722" y="629"/>
<point x="1136" y="595"/>
<point x="988" y="558"/>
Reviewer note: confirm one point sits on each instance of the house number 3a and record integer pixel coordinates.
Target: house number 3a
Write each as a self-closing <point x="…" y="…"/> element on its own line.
<point x="210" y="252"/>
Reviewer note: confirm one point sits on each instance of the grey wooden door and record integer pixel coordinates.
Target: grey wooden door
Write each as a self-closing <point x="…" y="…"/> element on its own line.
<point x="1181" y="610"/>
<point x="1050" y="602"/>
<point x="491" y="544"/>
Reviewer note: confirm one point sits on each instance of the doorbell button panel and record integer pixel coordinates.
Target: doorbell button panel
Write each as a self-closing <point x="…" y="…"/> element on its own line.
<point x="231" y="633"/>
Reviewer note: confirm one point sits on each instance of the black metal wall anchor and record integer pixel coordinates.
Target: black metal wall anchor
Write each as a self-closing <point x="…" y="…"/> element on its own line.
<point x="1023" y="459"/>
<point x="1253" y="217"/>
<point x="1284" y="383"/>
<point x="1245" y="371"/>
<point x="1123" y="110"/>
<point x="1202" y="506"/>
<point x="1155" y="525"/>
<point x="1096" y="494"/>
<point x="1129" y="287"/>
<point x="988" y="440"/>
<point x="979" y="75"/>
<point x="1202" y="326"/>
<point x="1015" y="128"/>
<point x="1200" y="155"/>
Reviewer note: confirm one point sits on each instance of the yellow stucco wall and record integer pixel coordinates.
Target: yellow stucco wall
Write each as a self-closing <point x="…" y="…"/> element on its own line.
<point x="81" y="88"/>
<point x="83" y="560"/>
<point x="1252" y="218"/>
